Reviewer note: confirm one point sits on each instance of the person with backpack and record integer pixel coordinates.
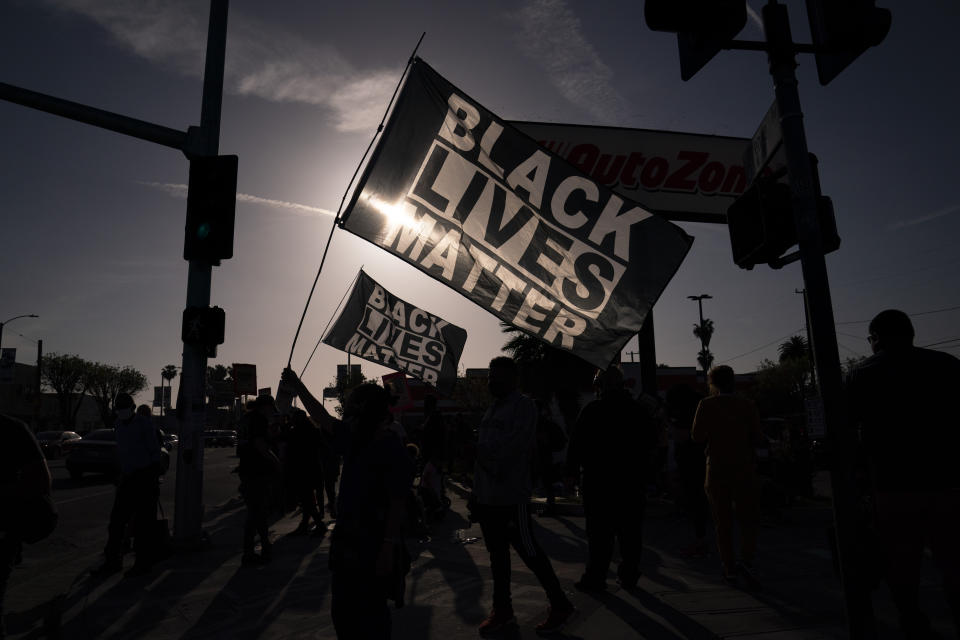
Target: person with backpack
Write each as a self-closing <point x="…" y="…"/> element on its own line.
<point x="26" y="510"/>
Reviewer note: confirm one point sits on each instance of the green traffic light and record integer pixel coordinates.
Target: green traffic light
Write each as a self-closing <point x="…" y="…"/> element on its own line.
<point x="203" y="230"/>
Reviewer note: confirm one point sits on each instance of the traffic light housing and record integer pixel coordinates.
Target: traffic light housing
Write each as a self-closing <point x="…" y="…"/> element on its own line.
<point x="761" y="222"/>
<point x="842" y="30"/>
<point x="211" y="209"/>
<point x="703" y="27"/>
<point x="204" y="326"/>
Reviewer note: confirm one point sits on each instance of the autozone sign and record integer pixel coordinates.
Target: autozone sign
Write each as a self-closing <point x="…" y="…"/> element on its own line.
<point x="682" y="176"/>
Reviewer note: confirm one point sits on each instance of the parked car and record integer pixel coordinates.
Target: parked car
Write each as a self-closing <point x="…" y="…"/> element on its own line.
<point x="219" y="438"/>
<point x="169" y="440"/>
<point x="55" y="444"/>
<point x="96" y="452"/>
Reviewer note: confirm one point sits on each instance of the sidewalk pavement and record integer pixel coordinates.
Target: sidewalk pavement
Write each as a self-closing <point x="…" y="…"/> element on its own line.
<point x="207" y="594"/>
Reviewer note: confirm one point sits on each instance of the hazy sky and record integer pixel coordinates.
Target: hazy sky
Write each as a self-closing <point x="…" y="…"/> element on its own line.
<point x="92" y="221"/>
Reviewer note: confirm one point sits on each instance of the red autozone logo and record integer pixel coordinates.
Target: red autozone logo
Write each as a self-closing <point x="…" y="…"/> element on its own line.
<point x="685" y="172"/>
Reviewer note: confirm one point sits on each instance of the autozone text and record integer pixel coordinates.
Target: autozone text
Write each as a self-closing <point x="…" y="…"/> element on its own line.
<point x="688" y="172"/>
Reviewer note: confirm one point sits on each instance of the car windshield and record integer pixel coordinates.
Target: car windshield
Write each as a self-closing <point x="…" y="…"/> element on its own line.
<point x="48" y="435"/>
<point x="101" y="434"/>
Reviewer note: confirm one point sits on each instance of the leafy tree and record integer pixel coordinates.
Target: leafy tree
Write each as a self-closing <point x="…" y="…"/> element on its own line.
<point x="66" y="375"/>
<point x="779" y="387"/>
<point x="215" y="375"/>
<point x="105" y="381"/>
<point x="354" y="379"/>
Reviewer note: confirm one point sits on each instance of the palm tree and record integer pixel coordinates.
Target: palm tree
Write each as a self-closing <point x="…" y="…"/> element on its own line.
<point x="546" y="370"/>
<point x="795" y="348"/>
<point x="168" y="373"/>
<point x="704" y="331"/>
<point x="705" y="359"/>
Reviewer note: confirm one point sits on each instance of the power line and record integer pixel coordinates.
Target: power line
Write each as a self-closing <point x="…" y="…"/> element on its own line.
<point x="792" y="333"/>
<point x="919" y="313"/>
<point x="934" y="344"/>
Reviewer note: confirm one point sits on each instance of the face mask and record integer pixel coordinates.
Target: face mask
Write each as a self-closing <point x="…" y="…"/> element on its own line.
<point x="124" y="414"/>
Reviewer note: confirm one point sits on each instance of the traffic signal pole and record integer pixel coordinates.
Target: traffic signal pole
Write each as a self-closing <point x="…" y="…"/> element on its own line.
<point x="195" y="142"/>
<point x="191" y="405"/>
<point x="841" y="438"/>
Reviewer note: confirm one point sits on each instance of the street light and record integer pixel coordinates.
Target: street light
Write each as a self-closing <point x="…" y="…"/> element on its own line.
<point x="703" y="344"/>
<point x="26" y="315"/>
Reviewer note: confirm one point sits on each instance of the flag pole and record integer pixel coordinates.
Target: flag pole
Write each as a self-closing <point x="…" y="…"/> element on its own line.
<point x="342" y="200"/>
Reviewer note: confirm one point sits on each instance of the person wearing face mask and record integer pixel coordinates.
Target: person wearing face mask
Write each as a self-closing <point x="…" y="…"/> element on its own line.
<point x="366" y="547"/>
<point x="138" y="453"/>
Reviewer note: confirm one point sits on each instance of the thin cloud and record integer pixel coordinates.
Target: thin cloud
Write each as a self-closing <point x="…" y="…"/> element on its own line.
<point x="551" y="35"/>
<point x="262" y="60"/>
<point x="757" y="20"/>
<point x="180" y="191"/>
<point x="932" y="216"/>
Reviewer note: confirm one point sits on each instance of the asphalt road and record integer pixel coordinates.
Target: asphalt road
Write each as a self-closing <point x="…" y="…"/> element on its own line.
<point x="84" y="505"/>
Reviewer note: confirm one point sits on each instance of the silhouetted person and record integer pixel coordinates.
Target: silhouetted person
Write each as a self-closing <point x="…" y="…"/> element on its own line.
<point x="330" y="461"/>
<point x="902" y="400"/>
<point x="376" y="482"/>
<point x="434" y="432"/>
<point x="730" y="426"/>
<point x="612" y="442"/>
<point x="24" y="477"/>
<point x="691" y="464"/>
<point x="259" y="466"/>
<point x="551" y="439"/>
<point x="502" y="486"/>
<point x="138" y="453"/>
<point x="305" y="471"/>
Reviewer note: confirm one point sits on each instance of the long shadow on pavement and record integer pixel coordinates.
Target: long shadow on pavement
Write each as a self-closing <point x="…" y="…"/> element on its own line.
<point x="456" y="566"/>
<point x="254" y="597"/>
<point x="150" y="597"/>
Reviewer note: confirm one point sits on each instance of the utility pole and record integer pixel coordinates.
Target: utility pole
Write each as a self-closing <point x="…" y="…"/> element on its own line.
<point x="38" y="387"/>
<point x="195" y="143"/>
<point x="806" y="323"/>
<point x="780" y="49"/>
<point x="841" y="31"/>
<point x="703" y="343"/>
<point x="191" y="406"/>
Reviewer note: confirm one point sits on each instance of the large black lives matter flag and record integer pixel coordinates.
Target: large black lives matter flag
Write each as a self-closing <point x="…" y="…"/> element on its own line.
<point x="380" y="327"/>
<point x="458" y="193"/>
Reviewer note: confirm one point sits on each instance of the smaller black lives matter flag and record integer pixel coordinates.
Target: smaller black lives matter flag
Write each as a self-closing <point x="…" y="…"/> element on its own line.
<point x="380" y="327"/>
<point x="466" y="198"/>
